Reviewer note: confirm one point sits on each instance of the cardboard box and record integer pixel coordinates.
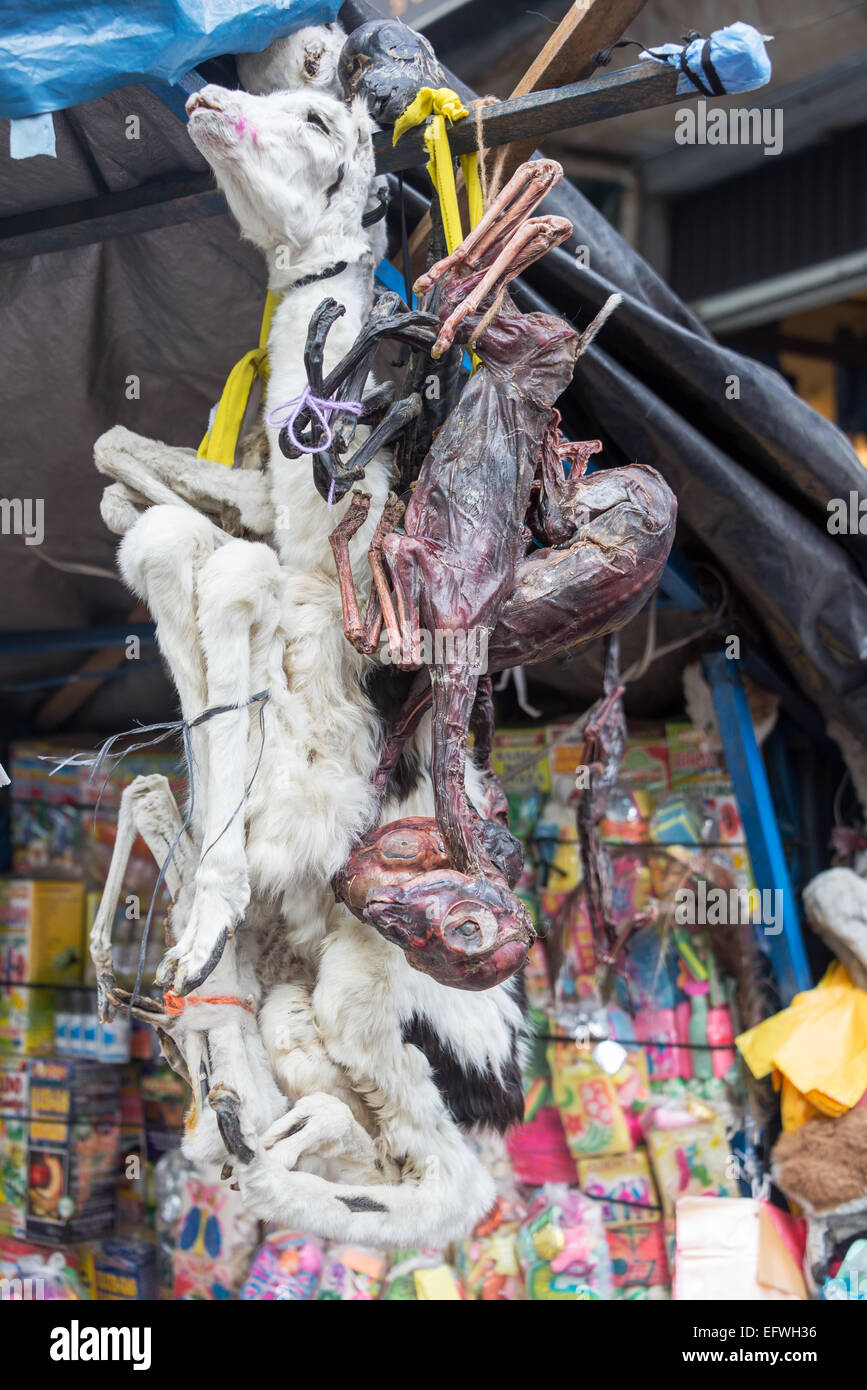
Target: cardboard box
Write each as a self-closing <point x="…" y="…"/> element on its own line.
<point x="41" y="944"/>
<point x="14" y="1110"/>
<point x="73" y="1149"/>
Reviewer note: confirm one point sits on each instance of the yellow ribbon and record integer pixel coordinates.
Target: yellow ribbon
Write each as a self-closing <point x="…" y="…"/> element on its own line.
<point x="221" y="439"/>
<point x="441" y="104"/>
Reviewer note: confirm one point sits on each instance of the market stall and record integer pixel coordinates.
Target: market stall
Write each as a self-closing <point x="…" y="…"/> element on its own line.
<point x="461" y="935"/>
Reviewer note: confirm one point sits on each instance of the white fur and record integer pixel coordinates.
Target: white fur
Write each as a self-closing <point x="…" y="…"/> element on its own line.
<point x="307" y="58"/>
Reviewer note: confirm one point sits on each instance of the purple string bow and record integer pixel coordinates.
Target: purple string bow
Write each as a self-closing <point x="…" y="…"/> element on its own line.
<point x="286" y="415"/>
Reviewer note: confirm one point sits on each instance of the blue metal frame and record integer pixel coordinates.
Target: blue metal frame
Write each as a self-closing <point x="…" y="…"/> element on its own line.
<point x="750" y="782"/>
<point x="73" y="639"/>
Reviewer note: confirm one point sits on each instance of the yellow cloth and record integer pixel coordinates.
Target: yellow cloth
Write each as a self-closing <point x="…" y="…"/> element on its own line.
<point x="441" y="104"/>
<point x="816" y="1048"/>
<point x="221" y="439"/>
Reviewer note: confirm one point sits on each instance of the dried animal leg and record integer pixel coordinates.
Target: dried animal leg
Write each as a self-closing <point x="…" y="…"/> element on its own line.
<point x="147" y="808"/>
<point x="238" y="610"/>
<point x="528" y="244"/>
<point x="212" y="1041"/>
<point x="524" y="191"/>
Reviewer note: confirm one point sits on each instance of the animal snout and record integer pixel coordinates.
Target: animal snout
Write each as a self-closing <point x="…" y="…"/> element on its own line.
<point x="208" y="99"/>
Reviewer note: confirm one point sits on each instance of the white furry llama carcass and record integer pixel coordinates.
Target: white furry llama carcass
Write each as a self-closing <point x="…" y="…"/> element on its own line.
<point x="382" y="1061"/>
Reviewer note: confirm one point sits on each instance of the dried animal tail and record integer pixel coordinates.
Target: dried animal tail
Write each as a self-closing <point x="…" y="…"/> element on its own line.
<point x="612" y="302"/>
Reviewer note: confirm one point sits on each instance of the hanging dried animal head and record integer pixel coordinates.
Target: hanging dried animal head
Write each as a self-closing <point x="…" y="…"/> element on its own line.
<point x="469" y="932"/>
<point x="296" y="169"/>
<point x="387" y="63"/>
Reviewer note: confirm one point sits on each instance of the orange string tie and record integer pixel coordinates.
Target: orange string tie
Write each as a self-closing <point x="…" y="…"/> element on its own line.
<point x="176" y="1003"/>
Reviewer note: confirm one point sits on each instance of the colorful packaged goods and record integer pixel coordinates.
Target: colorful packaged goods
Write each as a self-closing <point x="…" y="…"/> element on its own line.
<point x="215" y="1240"/>
<point x="690" y="1157"/>
<point x="14" y="1123"/>
<point x="72" y="1152"/>
<point x="488" y="1261"/>
<point x="285" y="1268"/>
<point x="124" y="1270"/>
<point x="538" y="1147"/>
<point x="638" y="1254"/>
<point x="572" y="939"/>
<point x="438" y="1283"/>
<point x="536" y="980"/>
<point x="64" y="825"/>
<point x="562" y="1248"/>
<point x="626" y="1181"/>
<point x="692" y="757"/>
<point x="520" y="760"/>
<point x="587" y="1100"/>
<point x="164" y="1100"/>
<point x="41" y="944"/>
<point x="849" y="1280"/>
<point x="170" y="1175"/>
<point x="416" y="1275"/>
<point x="645" y="763"/>
<point x="352" y="1274"/>
<point x="34" y="1273"/>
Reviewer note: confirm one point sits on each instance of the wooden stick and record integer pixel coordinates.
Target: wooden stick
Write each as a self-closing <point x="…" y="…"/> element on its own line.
<point x="567" y="56"/>
<point x="528" y="117"/>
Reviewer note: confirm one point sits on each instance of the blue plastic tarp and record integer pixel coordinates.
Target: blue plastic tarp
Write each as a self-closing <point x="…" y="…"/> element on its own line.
<point x="57" y="53"/>
<point x="737" y="53"/>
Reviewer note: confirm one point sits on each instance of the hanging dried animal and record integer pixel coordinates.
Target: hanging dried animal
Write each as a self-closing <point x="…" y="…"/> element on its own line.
<point x="462" y="574"/>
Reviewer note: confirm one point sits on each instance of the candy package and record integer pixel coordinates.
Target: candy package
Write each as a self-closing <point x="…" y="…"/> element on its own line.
<point x="124" y="1270"/>
<point x="638" y="1254"/>
<point x="285" y="1268"/>
<point x="562" y="1247"/>
<point x="419" y="1276"/>
<point x="689" y="1159"/>
<point x="352" y="1274"/>
<point x="586" y="1098"/>
<point x="33" y="1273"/>
<point x="643" y="1293"/>
<point x="488" y="1261"/>
<point x="215" y="1239"/>
<point x="538" y="1148"/>
<point x="626" y="1180"/>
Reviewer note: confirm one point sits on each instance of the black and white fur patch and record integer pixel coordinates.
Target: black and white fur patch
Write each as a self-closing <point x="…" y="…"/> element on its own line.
<point x="473" y="1097"/>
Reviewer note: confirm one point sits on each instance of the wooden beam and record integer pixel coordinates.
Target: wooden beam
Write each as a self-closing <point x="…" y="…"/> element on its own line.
<point x="848" y="353"/>
<point x="539" y="113"/>
<point x="159" y="203"/>
<point x="60" y="706"/>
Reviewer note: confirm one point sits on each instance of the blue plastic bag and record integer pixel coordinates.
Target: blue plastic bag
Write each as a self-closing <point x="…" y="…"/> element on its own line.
<point x="57" y="53"/>
<point x="737" y="54"/>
